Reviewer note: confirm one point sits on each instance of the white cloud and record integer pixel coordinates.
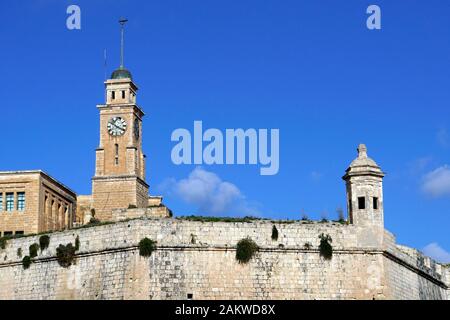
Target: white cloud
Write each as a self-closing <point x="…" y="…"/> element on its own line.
<point x="434" y="251"/>
<point x="437" y="182"/>
<point x="210" y="194"/>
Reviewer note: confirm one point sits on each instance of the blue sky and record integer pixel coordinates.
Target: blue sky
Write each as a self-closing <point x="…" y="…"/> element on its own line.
<point x="309" y="68"/>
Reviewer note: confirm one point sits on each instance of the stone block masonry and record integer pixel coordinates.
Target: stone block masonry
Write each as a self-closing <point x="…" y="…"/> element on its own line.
<point x="198" y="258"/>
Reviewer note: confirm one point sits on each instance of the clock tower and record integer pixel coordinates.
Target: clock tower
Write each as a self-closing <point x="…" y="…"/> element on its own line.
<point x="119" y="180"/>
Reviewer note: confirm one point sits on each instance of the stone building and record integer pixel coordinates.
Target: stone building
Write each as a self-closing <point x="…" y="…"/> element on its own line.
<point x="33" y="202"/>
<point x="195" y="259"/>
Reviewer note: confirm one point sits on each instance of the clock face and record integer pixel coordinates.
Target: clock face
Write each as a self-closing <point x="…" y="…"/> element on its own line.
<point x="136" y="128"/>
<point x="117" y="126"/>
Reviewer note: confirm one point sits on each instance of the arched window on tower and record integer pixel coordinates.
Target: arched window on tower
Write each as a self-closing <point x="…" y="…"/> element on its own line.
<point x="117" y="154"/>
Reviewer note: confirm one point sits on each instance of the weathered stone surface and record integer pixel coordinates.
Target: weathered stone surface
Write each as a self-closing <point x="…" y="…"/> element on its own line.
<point x="109" y="266"/>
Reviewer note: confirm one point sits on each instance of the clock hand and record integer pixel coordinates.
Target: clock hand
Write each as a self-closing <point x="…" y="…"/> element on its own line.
<point x="117" y="127"/>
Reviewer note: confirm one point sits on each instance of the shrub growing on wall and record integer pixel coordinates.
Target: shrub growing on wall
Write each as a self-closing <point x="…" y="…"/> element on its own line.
<point x="2" y="243"/>
<point x="94" y="221"/>
<point x="274" y="233"/>
<point x="34" y="250"/>
<point x="146" y="247"/>
<point x="326" y="250"/>
<point x="65" y="255"/>
<point x="77" y="243"/>
<point x="44" y="242"/>
<point x="245" y="250"/>
<point x="26" y="262"/>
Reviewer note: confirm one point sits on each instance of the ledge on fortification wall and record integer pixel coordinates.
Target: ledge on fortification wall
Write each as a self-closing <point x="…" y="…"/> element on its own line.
<point x="154" y="211"/>
<point x="185" y="234"/>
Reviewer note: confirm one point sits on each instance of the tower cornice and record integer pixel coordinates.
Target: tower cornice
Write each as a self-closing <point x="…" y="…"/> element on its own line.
<point x="120" y="178"/>
<point x="121" y="81"/>
<point x="366" y="172"/>
<point x="122" y="105"/>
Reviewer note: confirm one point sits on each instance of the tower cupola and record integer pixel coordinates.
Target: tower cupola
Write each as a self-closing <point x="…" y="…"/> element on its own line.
<point x="121" y="73"/>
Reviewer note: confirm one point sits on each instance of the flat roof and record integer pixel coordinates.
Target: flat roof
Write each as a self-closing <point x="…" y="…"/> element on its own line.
<point x="42" y="173"/>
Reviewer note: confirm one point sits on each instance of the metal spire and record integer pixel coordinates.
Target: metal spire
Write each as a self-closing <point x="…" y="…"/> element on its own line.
<point x="122" y="22"/>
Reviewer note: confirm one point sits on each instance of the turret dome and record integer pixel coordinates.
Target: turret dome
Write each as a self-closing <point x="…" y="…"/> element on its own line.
<point x="363" y="165"/>
<point x="121" y="73"/>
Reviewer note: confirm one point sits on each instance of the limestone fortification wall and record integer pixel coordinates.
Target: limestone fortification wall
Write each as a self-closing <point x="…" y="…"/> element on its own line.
<point x="198" y="258"/>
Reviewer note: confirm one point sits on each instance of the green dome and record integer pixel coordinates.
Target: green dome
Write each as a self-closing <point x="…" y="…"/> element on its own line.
<point x="121" y="73"/>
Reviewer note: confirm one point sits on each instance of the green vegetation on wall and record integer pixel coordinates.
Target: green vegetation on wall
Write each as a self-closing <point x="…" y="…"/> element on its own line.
<point x="65" y="254"/>
<point x="3" y="241"/>
<point x="146" y="247"/>
<point x="33" y="249"/>
<point x="326" y="250"/>
<point x="26" y="262"/>
<point x="245" y="250"/>
<point x="77" y="243"/>
<point x="274" y="233"/>
<point x="44" y="242"/>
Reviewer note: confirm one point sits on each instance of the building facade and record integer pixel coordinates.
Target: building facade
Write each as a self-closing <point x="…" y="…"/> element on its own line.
<point x="33" y="202"/>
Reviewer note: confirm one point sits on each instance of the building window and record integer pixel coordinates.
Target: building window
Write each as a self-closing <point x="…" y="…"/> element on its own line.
<point x="361" y="202"/>
<point x="116" y="160"/>
<point x="375" y="203"/>
<point x="7" y="233"/>
<point x="113" y="95"/>
<point x="9" y="201"/>
<point x="123" y="94"/>
<point x="21" y="201"/>
<point x="1" y="201"/>
<point x="190" y="296"/>
<point x="19" y="233"/>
